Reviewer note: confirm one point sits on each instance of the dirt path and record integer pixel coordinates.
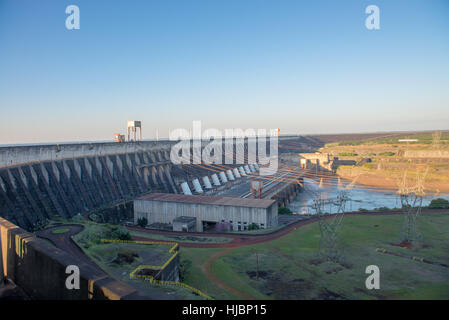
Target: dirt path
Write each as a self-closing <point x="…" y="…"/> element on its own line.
<point x="207" y="269"/>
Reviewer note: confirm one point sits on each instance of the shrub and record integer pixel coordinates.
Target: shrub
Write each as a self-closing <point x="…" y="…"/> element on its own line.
<point x="284" y="210"/>
<point x="253" y="226"/>
<point x="347" y="154"/>
<point x="439" y="203"/>
<point x="387" y="154"/>
<point x="184" y="267"/>
<point x="119" y="233"/>
<point x="142" y="222"/>
<point x="350" y="143"/>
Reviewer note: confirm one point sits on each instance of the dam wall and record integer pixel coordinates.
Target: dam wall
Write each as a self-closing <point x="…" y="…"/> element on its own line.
<point x="66" y="180"/>
<point x="39" y="182"/>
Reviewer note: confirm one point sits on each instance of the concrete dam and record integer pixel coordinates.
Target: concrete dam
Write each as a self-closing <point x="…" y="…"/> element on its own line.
<point x="39" y="182"/>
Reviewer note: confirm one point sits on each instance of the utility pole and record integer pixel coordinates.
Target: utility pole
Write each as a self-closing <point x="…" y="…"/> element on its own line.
<point x="257" y="265"/>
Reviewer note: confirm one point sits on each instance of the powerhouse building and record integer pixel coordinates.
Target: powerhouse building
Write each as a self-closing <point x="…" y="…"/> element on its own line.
<point x="207" y="211"/>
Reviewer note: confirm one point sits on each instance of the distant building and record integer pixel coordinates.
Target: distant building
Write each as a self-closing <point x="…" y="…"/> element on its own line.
<point x="208" y="211"/>
<point x="119" y="137"/>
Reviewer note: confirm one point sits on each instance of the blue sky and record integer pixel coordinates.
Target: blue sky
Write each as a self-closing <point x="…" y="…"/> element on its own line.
<point x="301" y="66"/>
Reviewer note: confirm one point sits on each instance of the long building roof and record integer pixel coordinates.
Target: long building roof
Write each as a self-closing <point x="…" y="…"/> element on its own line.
<point x="211" y="200"/>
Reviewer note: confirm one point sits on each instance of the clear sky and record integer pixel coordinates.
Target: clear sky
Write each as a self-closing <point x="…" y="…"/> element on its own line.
<point x="301" y="66"/>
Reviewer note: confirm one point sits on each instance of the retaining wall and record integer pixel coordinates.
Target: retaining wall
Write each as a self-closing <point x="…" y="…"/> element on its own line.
<point x="39" y="269"/>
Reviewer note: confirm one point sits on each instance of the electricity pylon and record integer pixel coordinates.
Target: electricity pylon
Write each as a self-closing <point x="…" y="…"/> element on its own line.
<point x="411" y="201"/>
<point x="436" y="140"/>
<point x="329" y="224"/>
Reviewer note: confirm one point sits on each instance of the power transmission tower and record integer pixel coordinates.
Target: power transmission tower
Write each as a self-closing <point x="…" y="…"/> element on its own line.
<point x="436" y="140"/>
<point x="411" y="200"/>
<point x="329" y="224"/>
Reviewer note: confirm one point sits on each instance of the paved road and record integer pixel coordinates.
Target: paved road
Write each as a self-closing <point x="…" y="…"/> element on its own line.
<point x="65" y="242"/>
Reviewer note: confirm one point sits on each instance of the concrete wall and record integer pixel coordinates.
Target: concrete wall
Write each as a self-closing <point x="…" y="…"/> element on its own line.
<point x="165" y="212"/>
<point x="171" y="271"/>
<point x="34" y="192"/>
<point x="39" y="269"/>
<point x="14" y="155"/>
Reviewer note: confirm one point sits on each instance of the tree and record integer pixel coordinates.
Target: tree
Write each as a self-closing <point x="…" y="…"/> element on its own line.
<point x="439" y="203"/>
<point x="253" y="226"/>
<point x="142" y="222"/>
<point x="284" y="210"/>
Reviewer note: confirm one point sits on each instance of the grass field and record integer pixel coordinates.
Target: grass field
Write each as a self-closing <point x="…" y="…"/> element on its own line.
<point x="120" y="259"/>
<point x="287" y="267"/>
<point x="59" y="231"/>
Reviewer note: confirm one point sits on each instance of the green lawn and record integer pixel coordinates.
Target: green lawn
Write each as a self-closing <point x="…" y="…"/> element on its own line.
<point x="59" y="231"/>
<point x="286" y="269"/>
<point x="194" y="275"/>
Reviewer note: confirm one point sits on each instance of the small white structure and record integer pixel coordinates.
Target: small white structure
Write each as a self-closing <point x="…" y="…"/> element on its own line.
<point x="236" y="173"/>
<point x="132" y="126"/>
<point x="215" y="180"/>
<point x="247" y="169"/>
<point x="223" y="177"/>
<point x="252" y="168"/>
<point x="207" y="183"/>
<point x="230" y="175"/>
<point x="256" y="165"/>
<point x="197" y="186"/>
<point x="242" y="172"/>
<point x="185" y="188"/>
